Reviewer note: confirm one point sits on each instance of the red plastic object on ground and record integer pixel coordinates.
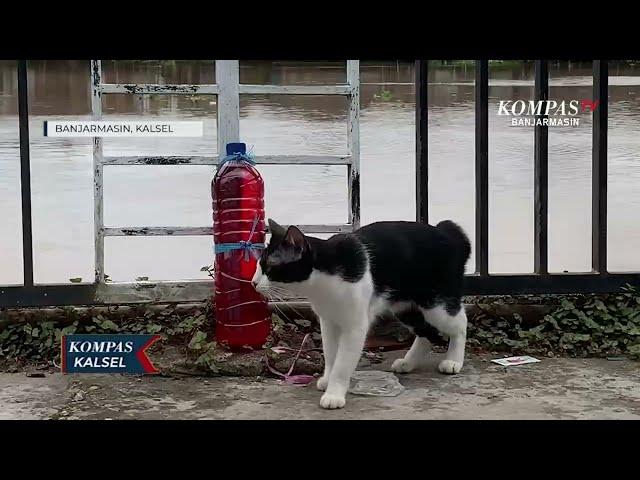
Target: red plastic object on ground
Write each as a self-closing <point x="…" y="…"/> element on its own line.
<point x="242" y="315"/>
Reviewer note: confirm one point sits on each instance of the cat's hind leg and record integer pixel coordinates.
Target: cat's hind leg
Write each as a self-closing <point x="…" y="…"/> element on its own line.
<point x="452" y="321"/>
<point x="414" y="357"/>
<point x="415" y="320"/>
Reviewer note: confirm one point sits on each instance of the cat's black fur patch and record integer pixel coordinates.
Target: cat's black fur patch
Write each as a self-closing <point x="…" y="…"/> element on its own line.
<point x="410" y="262"/>
<point x="414" y="319"/>
<point x="417" y="262"/>
<point x="342" y="255"/>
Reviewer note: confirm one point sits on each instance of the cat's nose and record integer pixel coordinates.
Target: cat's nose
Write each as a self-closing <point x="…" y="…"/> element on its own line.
<point x="254" y="283"/>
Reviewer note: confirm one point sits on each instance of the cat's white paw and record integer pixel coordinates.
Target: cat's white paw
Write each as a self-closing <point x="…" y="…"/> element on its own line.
<point x="450" y="367"/>
<point x="402" y="366"/>
<point x="322" y="383"/>
<point x="331" y="401"/>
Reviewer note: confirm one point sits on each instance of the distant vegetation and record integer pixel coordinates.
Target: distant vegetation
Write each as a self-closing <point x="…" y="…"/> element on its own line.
<point x="513" y="63"/>
<point x="471" y="63"/>
<point x="449" y="63"/>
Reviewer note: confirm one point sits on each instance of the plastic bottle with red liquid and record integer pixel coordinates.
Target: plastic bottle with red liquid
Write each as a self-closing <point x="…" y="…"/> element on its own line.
<point x="242" y="314"/>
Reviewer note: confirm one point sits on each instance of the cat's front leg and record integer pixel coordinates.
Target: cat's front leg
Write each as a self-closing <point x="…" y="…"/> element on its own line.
<point x="330" y="339"/>
<point x="353" y="334"/>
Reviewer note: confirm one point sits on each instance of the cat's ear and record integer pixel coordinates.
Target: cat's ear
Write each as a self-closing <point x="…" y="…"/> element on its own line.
<point x="277" y="231"/>
<point x="291" y="249"/>
<point x="296" y="239"/>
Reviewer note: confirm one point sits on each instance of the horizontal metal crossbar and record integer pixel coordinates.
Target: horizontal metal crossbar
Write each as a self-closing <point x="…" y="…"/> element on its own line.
<point x="213" y="89"/>
<point x="159" y="160"/>
<point x="186" y="231"/>
<point x="303" y="159"/>
<point x="295" y="89"/>
<point x="106" y="293"/>
<point x="200" y="290"/>
<point x="152" y="89"/>
<point x="155" y="231"/>
<point x="560" y="283"/>
<point x="213" y="160"/>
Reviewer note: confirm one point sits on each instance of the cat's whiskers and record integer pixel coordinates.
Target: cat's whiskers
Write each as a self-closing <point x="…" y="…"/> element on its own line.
<point x="295" y="310"/>
<point x="279" y="310"/>
<point x="283" y="294"/>
<point x="282" y="314"/>
<point x="278" y="289"/>
<point x="274" y="295"/>
<point x="267" y="294"/>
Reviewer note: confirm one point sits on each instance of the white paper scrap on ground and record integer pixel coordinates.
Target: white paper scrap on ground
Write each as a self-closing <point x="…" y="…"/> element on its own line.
<point x="375" y="383"/>
<point x="510" y="361"/>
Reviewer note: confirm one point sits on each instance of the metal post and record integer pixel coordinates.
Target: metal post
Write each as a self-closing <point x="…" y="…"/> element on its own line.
<point x="25" y="173"/>
<point x="422" y="150"/>
<point x="482" y="167"/>
<point x="98" y="210"/>
<point x="228" y="80"/>
<point x="353" y="139"/>
<point x="541" y="174"/>
<point x="599" y="169"/>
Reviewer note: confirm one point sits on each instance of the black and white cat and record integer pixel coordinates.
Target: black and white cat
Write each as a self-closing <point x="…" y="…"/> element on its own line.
<point x="412" y="270"/>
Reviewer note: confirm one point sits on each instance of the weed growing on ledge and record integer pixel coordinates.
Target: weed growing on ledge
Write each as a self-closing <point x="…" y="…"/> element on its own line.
<point x="576" y="325"/>
<point x="580" y="325"/>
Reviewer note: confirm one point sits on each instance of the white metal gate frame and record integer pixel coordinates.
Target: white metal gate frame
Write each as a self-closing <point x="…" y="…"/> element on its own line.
<point x="228" y="90"/>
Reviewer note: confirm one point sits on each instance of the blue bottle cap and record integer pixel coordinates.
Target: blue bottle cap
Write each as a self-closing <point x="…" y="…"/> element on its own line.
<point x="236" y="148"/>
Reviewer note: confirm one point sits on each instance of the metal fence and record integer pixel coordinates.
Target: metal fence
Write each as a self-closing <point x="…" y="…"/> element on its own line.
<point x="481" y="282"/>
<point x="227" y="89"/>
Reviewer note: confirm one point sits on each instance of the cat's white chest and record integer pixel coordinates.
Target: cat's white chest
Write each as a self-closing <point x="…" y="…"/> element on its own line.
<point x="332" y="297"/>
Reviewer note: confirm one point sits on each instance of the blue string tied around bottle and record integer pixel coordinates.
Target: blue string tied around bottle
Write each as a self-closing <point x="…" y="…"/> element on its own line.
<point x="238" y="156"/>
<point x="249" y="248"/>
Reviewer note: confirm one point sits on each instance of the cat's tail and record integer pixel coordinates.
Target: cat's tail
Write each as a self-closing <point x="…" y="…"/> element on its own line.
<point x="455" y="233"/>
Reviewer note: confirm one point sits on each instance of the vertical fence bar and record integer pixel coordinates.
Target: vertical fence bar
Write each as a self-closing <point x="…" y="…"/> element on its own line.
<point x="599" y="167"/>
<point x="353" y="140"/>
<point x="422" y="151"/>
<point x="228" y="80"/>
<point x="541" y="174"/>
<point x="98" y="200"/>
<point x="25" y="172"/>
<point x="482" y="167"/>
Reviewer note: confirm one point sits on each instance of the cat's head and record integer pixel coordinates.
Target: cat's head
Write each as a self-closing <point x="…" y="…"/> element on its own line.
<point x="286" y="262"/>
